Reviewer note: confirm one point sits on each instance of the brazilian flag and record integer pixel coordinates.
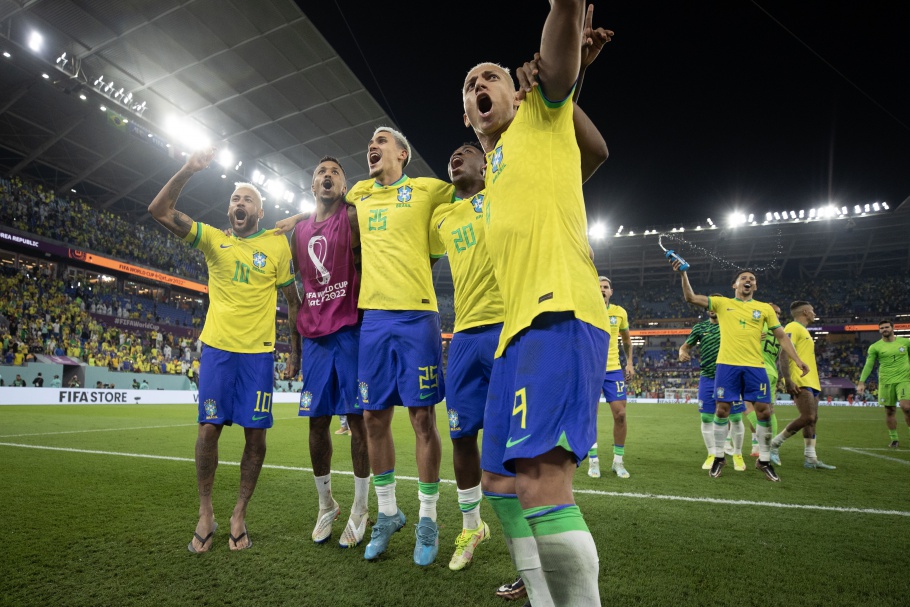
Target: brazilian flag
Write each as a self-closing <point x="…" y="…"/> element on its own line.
<point x="116" y="120"/>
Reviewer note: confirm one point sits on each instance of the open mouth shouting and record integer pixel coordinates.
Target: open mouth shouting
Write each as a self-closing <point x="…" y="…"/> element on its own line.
<point x="484" y="105"/>
<point x="240" y="215"/>
<point x="456" y="162"/>
<point x="373" y="158"/>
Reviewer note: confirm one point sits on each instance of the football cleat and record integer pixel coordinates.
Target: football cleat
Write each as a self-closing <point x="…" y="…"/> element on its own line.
<point x="594" y="467"/>
<point x="382" y="531"/>
<point x="708" y="462"/>
<point x="738" y="464"/>
<point x="768" y="469"/>
<point x="466" y="543"/>
<point x="427" y="546"/>
<point x="717" y="467"/>
<point x="323" y="529"/>
<point x="818" y="465"/>
<point x="515" y="590"/>
<point x="775" y="456"/>
<point x="620" y="470"/>
<point x="894" y="444"/>
<point x="353" y="533"/>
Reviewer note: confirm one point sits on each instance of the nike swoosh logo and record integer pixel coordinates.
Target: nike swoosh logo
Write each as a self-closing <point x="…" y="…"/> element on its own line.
<point x="257" y="418"/>
<point x="439" y="225"/>
<point x="226" y="246"/>
<point x="362" y="198"/>
<point x="729" y="309"/>
<point x="425" y="396"/>
<point x="510" y="443"/>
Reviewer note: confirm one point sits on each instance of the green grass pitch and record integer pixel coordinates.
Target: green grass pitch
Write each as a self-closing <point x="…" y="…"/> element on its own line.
<point x="99" y="503"/>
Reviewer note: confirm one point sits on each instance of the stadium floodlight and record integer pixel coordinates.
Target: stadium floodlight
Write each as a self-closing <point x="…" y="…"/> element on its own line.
<point x="751" y="217"/>
<point x="307" y="206"/>
<point x="802" y="213"/>
<point x="238" y="165"/>
<point x="736" y="219"/>
<point x="258" y="178"/>
<point x="876" y="206"/>
<point x="857" y="209"/>
<point x="225" y="158"/>
<point x="103" y="108"/>
<point x="866" y="208"/>
<point x="631" y="233"/>
<point x="277" y="206"/>
<point x="62" y="60"/>
<point x="99" y="80"/>
<point x="598" y="230"/>
<point x="885" y="206"/>
<point x="45" y="76"/>
<point x="6" y="54"/>
<point x="698" y="228"/>
<point x="710" y="223"/>
<point x="289" y="197"/>
<point x="619" y="231"/>
<point x="769" y="216"/>
<point x="35" y="41"/>
<point x="82" y="96"/>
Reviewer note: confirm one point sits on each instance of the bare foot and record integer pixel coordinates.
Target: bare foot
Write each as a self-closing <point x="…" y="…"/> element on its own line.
<point x="239" y="539"/>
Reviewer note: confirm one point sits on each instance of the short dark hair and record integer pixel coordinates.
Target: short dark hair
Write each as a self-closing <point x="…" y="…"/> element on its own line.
<point x="474" y="144"/>
<point x="331" y="159"/>
<point x="885" y="322"/>
<point x="741" y="272"/>
<point x="799" y="303"/>
<point x="718" y="294"/>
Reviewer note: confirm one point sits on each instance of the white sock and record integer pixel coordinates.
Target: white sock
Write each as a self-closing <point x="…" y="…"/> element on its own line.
<point x="617" y="459"/>
<point x="324" y="489"/>
<point x="764" y="442"/>
<point x="707" y="434"/>
<point x="361" y="495"/>
<point x="778" y="440"/>
<point x="527" y="562"/>
<point x="385" y="496"/>
<point x="739" y="433"/>
<point x="570" y="565"/>
<point x="469" y="502"/>
<point x="428" y="504"/>
<point x="809" y="449"/>
<point x="720" y="435"/>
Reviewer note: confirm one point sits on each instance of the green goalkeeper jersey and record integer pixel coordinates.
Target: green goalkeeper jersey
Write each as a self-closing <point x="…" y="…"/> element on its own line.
<point x="893" y="361"/>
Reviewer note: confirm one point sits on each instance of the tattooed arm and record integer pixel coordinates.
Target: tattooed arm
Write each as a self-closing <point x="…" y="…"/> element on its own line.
<point x="163" y="207"/>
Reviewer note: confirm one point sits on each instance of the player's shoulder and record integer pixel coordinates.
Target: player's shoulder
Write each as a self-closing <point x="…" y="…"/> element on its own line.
<point x="359" y="189"/>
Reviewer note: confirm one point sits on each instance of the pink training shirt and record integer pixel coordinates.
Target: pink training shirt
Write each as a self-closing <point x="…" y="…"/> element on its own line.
<point x="331" y="285"/>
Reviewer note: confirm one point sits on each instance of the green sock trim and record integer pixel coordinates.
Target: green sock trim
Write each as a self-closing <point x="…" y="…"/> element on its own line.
<point x="619" y="450"/>
<point x="765" y="423"/>
<point x="510" y="515"/>
<point x="428" y="488"/>
<point x="386" y="478"/>
<point x="707" y="418"/>
<point x="892" y="434"/>
<point x="774" y="424"/>
<point x="736" y="417"/>
<point x="468" y="506"/>
<point x="592" y="453"/>
<point x="752" y="418"/>
<point x="553" y="521"/>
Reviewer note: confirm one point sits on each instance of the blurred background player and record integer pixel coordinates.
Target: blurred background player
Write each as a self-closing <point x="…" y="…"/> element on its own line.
<point x="740" y="372"/>
<point x="325" y="247"/>
<point x="614" y="386"/>
<point x="400" y="361"/>
<point x="246" y="270"/>
<point x="893" y="356"/>
<point x="457" y="230"/>
<point x="803" y="388"/>
<point x="706" y="335"/>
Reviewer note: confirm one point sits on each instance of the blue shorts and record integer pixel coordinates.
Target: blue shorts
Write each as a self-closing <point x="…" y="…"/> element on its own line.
<point x="329" y="367"/>
<point x="400" y="361"/>
<point x="236" y="387"/>
<point x="706" y="402"/>
<point x="544" y="392"/>
<point x="468" y="378"/>
<point x="614" y="386"/>
<point x="733" y="383"/>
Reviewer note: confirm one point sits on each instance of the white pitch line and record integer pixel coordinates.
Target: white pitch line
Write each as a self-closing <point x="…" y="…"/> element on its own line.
<point x="865" y="452"/>
<point x="656" y="496"/>
<point x="115" y="429"/>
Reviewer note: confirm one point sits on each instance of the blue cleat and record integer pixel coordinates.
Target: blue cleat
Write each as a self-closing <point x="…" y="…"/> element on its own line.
<point x="427" y="546"/>
<point x="383" y="529"/>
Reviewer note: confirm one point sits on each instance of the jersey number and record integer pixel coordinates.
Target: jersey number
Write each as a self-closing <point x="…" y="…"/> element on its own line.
<point x="263" y="402"/>
<point x="521" y="406"/>
<point x="464" y="238"/>
<point x="241" y="272"/>
<point x="428" y="379"/>
<point x="377" y="220"/>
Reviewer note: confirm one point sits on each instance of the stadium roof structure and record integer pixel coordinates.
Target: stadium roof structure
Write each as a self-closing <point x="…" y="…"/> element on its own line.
<point x="256" y="77"/>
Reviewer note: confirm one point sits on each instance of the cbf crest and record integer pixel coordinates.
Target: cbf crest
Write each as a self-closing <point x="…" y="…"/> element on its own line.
<point x="756" y="314"/>
<point x="496" y="160"/>
<point x="453" y="421"/>
<point x="364" y="392"/>
<point x="259" y="259"/>
<point x="210" y="408"/>
<point x="613" y="320"/>
<point x="404" y="193"/>
<point x="720" y="392"/>
<point x="306" y="399"/>
<point x="477" y="203"/>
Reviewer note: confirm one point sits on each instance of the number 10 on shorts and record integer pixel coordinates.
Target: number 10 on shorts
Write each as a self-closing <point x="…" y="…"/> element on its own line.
<point x="521" y="406"/>
<point x="263" y="402"/>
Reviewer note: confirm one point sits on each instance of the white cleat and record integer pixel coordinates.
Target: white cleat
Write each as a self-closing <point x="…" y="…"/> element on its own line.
<point x="353" y="532"/>
<point x="594" y="467"/>
<point x="323" y="529"/>
<point x="620" y="470"/>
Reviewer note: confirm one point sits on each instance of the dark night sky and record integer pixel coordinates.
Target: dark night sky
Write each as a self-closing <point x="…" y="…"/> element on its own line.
<point x="707" y="107"/>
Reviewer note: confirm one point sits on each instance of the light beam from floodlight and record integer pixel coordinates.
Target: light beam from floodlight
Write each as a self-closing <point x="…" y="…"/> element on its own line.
<point x="598" y="230"/>
<point x="35" y="40"/>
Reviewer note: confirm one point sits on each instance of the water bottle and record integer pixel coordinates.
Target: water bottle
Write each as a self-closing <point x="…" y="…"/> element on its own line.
<point x="675" y="256"/>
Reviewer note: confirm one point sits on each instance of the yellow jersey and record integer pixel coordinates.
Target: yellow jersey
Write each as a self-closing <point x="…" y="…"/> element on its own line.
<point x="805" y="349"/>
<point x="619" y="321"/>
<point x="457" y="229"/>
<point x="741" y="325"/>
<point x="244" y="277"/>
<point x="536" y="228"/>
<point x="394" y="241"/>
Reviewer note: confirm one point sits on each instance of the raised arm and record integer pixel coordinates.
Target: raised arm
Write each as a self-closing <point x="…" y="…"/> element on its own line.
<point x="560" y="48"/>
<point x="688" y="294"/>
<point x="283" y="226"/>
<point x="592" y="42"/>
<point x="163" y="207"/>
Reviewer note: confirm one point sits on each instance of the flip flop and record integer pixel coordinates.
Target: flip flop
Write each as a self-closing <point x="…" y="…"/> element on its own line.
<point x="202" y="540"/>
<point x="238" y="538"/>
